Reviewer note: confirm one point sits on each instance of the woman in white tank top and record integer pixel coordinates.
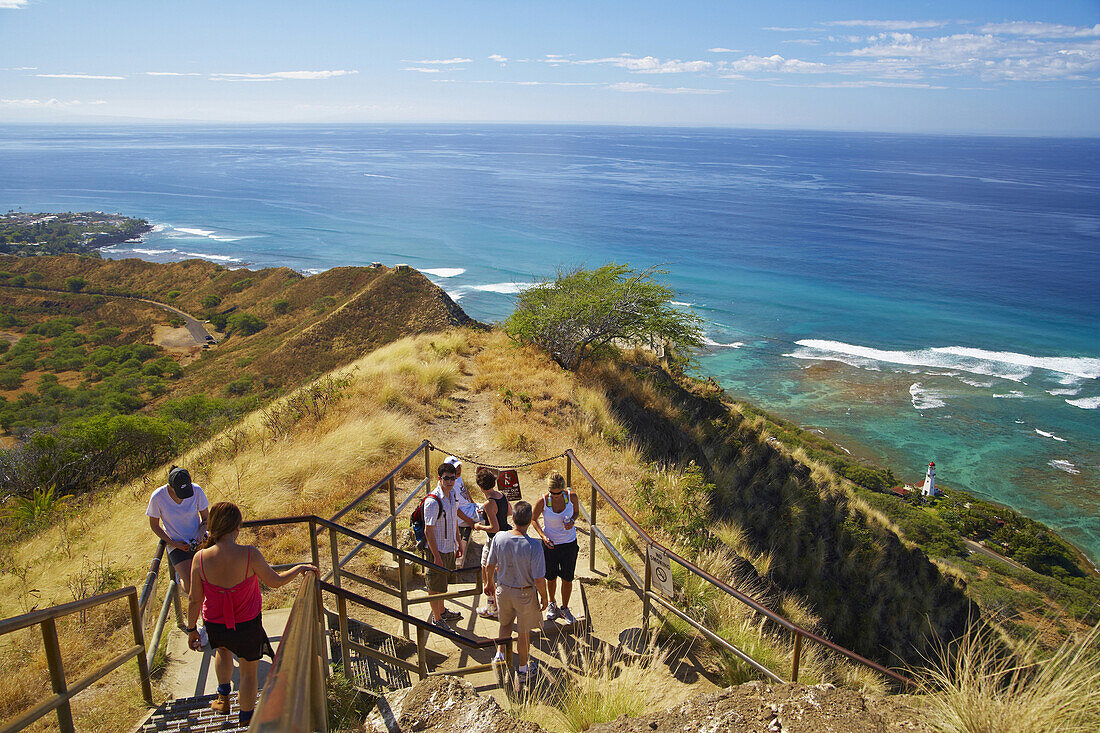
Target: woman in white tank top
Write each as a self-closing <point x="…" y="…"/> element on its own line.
<point x="558" y="510"/>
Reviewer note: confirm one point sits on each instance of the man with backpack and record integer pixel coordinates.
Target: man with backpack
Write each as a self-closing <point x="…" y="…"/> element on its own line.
<point x="441" y="512"/>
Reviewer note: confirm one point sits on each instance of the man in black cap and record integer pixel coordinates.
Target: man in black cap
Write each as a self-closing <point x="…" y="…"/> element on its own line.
<point x="177" y="513"/>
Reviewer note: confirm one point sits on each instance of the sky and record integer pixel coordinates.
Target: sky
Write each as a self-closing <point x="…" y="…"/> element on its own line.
<point x="998" y="67"/>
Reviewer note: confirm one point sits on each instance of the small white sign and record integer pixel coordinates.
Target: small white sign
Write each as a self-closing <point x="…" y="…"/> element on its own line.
<point x="660" y="572"/>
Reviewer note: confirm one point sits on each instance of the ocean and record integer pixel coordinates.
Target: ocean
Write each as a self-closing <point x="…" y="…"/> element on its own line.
<point x="913" y="298"/>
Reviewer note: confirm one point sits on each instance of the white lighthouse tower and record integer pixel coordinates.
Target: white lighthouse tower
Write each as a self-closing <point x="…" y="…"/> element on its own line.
<point x="929" y="488"/>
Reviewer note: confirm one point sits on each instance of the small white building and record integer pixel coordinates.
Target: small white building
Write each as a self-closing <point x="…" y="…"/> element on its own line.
<point x="929" y="488"/>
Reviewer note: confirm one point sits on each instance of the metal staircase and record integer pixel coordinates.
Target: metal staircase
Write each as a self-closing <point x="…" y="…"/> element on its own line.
<point x="192" y="715"/>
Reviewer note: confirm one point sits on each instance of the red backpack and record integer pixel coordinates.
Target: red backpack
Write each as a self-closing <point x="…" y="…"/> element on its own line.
<point x="417" y="521"/>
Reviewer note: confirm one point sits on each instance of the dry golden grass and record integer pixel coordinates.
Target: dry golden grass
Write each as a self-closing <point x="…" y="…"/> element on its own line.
<point x="980" y="690"/>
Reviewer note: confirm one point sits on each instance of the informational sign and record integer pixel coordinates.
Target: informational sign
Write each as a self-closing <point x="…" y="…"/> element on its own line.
<point x="660" y="572"/>
<point x="508" y="483"/>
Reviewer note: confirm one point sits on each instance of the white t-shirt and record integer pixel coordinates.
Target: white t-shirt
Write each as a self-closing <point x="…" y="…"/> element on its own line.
<point x="446" y="524"/>
<point x="180" y="521"/>
<point x="465" y="503"/>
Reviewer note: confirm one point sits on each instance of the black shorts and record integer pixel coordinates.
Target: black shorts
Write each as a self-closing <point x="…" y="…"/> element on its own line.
<point x="177" y="556"/>
<point x="561" y="560"/>
<point x="248" y="641"/>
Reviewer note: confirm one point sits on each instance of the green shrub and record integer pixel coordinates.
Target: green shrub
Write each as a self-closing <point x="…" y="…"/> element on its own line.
<point x="245" y="324"/>
<point x="211" y="301"/>
<point x="219" y="321"/>
<point x="35" y="276"/>
<point x="281" y="306"/>
<point x="18" y="281"/>
<point x="239" y="386"/>
<point x="241" y="285"/>
<point x="172" y="294"/>
<point x="75" y="284"/>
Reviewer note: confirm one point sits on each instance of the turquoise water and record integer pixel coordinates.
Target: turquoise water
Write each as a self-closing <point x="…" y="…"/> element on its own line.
<point x="916" y="298"/>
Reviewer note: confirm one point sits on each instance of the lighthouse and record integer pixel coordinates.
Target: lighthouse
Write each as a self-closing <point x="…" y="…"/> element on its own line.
<point x="929" y="488"/>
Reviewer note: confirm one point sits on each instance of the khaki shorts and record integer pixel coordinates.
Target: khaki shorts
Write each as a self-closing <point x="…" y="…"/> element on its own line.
<point x="437" y="581"/>
<point x="521" y="604"/>
<point x="485" y="552"/>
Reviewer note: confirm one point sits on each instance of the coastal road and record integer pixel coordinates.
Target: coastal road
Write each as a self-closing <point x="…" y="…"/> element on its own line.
<point x="194" y="326"/>
<point x="983" y="550"/>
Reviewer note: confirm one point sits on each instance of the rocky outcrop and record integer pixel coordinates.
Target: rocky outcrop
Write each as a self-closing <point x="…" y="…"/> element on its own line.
<point x="442" y="704"/>
<point x="448" y="704"/>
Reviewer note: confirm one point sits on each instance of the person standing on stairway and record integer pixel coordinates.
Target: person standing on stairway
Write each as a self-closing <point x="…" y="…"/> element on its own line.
<point x="442" y="510"/>
<point x="558" y="510"/>
<point x="225" y="586"/>
<point x="178" y="512"/>
<point x="518" y="567"/>
<point x="494" y="515"/>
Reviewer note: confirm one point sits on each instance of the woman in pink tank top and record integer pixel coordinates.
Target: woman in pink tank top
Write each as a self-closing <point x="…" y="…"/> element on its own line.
<point x="225" y="585"/>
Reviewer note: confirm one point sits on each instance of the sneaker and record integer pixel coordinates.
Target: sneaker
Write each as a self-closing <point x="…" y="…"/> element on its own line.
<point x="488" y="611"/>
<point x="552" y="611"/>
<point x="568" y="615"/>
<point x="442" y="624"/>
<point x="449" y="615"/>
<point x="524" y="673"/>
<point x="499" y="658"/>
<point x="220" y="704"/>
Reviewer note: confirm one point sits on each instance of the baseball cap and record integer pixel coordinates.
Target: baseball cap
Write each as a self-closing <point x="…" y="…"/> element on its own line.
<point x="180" y="481"/>
<point x="453" y="461"/>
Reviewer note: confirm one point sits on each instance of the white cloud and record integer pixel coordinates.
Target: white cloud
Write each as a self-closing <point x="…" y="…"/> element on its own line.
<point x="498" y="58"/>
<point x="278" y="75"/>
<point x="52" y="102"/>
<point x="640" y="64"/>
<point x="633" y="86"/>
<point x="78" y="76"/>
<point x="719" y="49"/>
<point x="873" y="83"/>
<point x="782" y="29"/>
<point x="774" y="62"/>
<point x="171" y="73"/>
<point x="522" y="83"/>
<point x="443" y="62"/>
<point x="1042" y="30"/>
<point x="890" y="25"/>
<point x="422" y="69"/>
<point x="12" y="4"/>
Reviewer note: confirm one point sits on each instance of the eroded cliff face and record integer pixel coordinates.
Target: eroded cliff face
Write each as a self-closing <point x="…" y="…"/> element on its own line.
<point x="874" y="595"/>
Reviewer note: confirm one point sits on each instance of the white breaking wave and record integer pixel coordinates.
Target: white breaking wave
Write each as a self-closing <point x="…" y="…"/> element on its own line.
<point x="456" y="295"/>
<point x="444" y="271"/>
<point x="196" y="232"/>
<point x="1045" y="434"/>
<point x="153" y="251"/>
<point x="707" y="340"/>
<point x="1085" y="403"/>
<point x="1063" y="392"/>
<point x="680" y="303"/>
<point x="973" y="382"/>
<point x="1002" y="364"/>
<point x="504" y="288"/>
<point x="215" y="258"/>
<point x="1066" y="466"/>
<point x="925" y="399"/>
<point x="1013" y="395"/>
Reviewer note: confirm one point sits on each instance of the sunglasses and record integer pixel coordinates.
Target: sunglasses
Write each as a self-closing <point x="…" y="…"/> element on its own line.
<point x="448" y="478"/>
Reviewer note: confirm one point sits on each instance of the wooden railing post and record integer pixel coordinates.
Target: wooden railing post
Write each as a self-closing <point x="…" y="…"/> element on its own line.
<point x="421" y="652"/>
<point x="797" y="654"/>
<point x="341" y="607"/>
<point x="57" y="674"/>
<point x="427" y="469"/>
<point x="393" y="516"/>
<point x="592" y="534"/>
<point x="139" y="640"/>
<point x="176" y="603"/>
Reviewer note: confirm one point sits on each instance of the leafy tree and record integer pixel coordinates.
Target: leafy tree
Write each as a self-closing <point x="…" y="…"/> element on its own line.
<point x="585" y="311"/>
<point x="75" y="284"/>
<point x="245" y="324"/>
<point x="211" y="301"/>
<point x="280" y="306"/>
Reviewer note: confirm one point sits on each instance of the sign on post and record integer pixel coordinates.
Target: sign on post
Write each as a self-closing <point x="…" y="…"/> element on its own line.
<point x="508" y="483"/>
<point x="660" y="572"/>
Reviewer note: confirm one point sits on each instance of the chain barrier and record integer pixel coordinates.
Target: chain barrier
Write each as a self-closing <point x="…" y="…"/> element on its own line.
<point x="476" y="462"/>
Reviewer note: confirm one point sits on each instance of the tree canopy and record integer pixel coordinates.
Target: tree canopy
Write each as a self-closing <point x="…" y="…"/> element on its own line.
<point x="582" y="311"/>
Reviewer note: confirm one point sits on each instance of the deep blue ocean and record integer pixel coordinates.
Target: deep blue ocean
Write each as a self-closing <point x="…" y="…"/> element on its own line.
<point x="914" y="298"/>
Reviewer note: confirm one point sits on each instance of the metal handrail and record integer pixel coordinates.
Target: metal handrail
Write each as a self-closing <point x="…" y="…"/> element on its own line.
<point x="151" y="579"/>
<point x="47" y="619"/>
<point x="294" y="697"/>
<point x="795" y="629"/>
